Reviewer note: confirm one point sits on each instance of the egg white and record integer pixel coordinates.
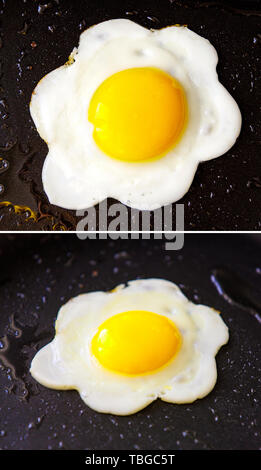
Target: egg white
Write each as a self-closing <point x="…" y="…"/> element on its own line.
<point x="67" y="362"/>
<point x="76" y="173"/>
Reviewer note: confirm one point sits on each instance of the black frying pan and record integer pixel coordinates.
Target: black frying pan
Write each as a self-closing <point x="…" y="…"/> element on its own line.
<point x="38" y="37"/>
<point x="41" y="272"/>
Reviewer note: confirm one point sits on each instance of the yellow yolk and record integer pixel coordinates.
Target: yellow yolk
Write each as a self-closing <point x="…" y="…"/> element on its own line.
<point x="136" y="342"/>
<point x="138" y="114"/>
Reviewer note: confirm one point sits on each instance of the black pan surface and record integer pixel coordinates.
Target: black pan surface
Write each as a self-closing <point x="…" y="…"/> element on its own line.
<point x="41" y="272"/>
<point x="37" y="37"/>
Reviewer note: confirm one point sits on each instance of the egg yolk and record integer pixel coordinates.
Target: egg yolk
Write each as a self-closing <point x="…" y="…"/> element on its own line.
<point x="136" y="342"/>
<point x="138" y="114"/>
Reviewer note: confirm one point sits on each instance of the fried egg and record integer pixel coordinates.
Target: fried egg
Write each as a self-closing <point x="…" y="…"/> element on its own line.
<point x="131" y="115"/>
<point x="124" y="349"/>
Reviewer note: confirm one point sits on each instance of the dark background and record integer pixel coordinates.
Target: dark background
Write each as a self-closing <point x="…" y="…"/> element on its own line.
<point x="39" y="273"/>
<point x="37" y="37"/>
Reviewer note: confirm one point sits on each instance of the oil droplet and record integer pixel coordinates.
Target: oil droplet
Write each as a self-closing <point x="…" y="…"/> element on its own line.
<point x="24" y="30"/>
<point x="236" y="291"/>
<point x="41" y="8"/>
<point x="15" y="356"/>
<point x="51" y="28"/>
<point x="82" y="25"/>
<point x="153" y="19"/>
<point x="20" y="210"/>
<point x="255" y="182"/>
<point x="4" y="165"/>
<point x="35" y="424"/>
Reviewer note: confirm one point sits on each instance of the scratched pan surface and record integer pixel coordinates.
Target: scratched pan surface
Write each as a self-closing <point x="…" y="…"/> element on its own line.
<point x="41" y="272"/>
<point x="37" y="37"/>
